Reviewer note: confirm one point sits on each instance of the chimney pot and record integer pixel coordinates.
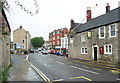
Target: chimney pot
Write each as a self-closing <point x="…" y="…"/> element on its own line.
<point x="88" y="13"/>
<point x="88" y="8"/>
<point x="107" y="8"/>
<point x="20" y="26"/>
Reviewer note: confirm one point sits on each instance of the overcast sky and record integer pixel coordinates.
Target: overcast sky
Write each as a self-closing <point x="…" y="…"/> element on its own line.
<point x="54" y="14"/>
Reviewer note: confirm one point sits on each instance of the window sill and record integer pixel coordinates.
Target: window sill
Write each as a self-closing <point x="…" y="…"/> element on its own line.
<point x="101" y="37"/>
<point x="108" y="53"/>
<point x="112" y="36"/>
<point x="83" y="53"/>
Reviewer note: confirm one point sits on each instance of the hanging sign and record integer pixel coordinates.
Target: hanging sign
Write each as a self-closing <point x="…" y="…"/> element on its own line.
<point x="89" y="35"/>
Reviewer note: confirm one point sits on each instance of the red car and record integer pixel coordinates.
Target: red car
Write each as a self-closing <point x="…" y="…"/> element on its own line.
<point x="65" y="54"/>
<point x="52" y="51"/>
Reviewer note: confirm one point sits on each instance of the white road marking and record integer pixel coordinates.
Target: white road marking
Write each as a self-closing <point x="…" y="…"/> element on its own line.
<point x="83" y="69"/>
<point x="27" y="57"/>
<point x="74" y="67"/>
<point x="60" y="62"/>
<point x="77" y="67"/>
<point x="87" y="70"/>
<point x="50" y="59"/>
<point x="118" y="79"/>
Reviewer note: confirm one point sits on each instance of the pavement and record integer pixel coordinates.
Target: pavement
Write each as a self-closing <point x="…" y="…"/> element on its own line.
<point x="107" y="64"/>
<point x="21" y="70"/>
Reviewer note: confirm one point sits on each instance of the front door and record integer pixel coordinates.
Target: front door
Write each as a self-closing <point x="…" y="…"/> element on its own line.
<point x="95" y="53"/>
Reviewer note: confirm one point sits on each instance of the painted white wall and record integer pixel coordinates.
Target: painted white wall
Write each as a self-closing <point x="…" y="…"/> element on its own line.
<point x="64" y="42"/>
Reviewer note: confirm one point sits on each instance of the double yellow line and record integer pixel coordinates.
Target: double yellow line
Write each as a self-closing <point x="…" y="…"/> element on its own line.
<point x="43" y="76"/>
<point x="74" y="78"/>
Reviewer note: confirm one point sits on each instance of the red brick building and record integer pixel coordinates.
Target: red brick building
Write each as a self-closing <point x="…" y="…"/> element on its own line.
<point x="55" y="38"/>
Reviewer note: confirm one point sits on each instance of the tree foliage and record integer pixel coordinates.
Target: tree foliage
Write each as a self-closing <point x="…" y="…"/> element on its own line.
<point x="37" y="41"/>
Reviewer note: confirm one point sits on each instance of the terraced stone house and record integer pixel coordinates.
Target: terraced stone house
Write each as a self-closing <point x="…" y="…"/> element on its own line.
<point x="97" y="39"/>
<point x="21" y="40"/>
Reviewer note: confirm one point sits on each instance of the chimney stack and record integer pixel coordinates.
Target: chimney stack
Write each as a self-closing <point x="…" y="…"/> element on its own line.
<point x="20" y="26"/>
<point x="88" y="13"/>
<point x="119" y="4"/>
<point x="107" y="8"/>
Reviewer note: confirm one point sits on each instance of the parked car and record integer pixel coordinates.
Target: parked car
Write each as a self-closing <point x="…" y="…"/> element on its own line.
<point x="36" y="51"/>
<point x="58" y="53"/>
<point x="65" y="54"/>
<point x="52" y="51"/>
<point x="49" y="51"/>
<point x="31" y="50"/>
<point x="44" y="51"/>
<point x="40" y="49"/>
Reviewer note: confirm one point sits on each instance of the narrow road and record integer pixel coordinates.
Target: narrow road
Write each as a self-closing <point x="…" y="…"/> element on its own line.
<point x="61" y="68"/>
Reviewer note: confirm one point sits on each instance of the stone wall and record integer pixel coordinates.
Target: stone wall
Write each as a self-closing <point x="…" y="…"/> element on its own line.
<point x="94" y="41"/>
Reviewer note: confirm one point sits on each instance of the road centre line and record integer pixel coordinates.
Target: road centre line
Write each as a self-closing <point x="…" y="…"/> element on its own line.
<point x="60" y="62"/>
<point x="84" y="69"/>
<point x="74" y="67"/>
<point x="50" y="59"/>
<point x="88" y="71"/>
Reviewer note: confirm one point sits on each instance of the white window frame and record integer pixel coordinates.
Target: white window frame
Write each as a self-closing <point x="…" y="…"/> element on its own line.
<point x="66" y="45"/>
<point x="100" y="33"/>
<point x="108" y="49"/>
<point x="53" y="38"/>
<point x="58" y="32"/>
<point x="23" y="46"/>
<point x="84" y="50"/>
<point x="66" y="40"/>
<point x="58" y="37"/>
<point x="83" y="38"/>
<point x="50" y="43"/>
<point x="71" y="40"/>
<point x="63" y="40"/>
<point x="62" y="45"/>
<point x="53" y="43"/>
<point x="53" y="33"/>
<point x="58" y="42"/>
<point x="110" y="31"/>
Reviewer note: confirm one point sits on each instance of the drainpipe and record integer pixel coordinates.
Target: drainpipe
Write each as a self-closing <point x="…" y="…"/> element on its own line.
<point x="26" y="40"/>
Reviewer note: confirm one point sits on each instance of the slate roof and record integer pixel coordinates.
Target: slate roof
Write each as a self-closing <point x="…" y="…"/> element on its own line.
<point x="73" y="25"/>
<point x="105" y="19"/>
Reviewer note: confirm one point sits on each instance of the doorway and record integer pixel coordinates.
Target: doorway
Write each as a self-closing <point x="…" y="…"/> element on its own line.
<point x="95" y="53"/>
